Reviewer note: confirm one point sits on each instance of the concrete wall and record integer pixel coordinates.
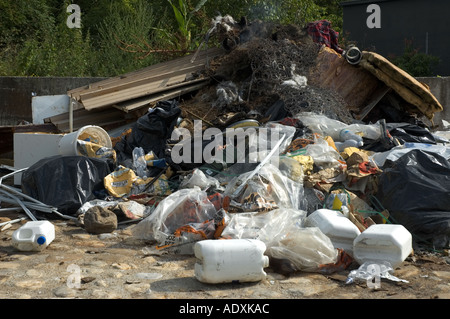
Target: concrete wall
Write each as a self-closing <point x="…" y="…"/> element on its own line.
<point x="440" y="87"/>
<point x="16" y="93"/>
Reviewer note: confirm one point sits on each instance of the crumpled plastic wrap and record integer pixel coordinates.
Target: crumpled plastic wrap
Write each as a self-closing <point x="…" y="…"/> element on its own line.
<point x="369" y="271"/>
<point x="326" y="126"/>
<point x="285" y="237"/>
<point x="182" y="218"/>
<point x="199" y="179"/>
<point x="307" y="248"/>
<point x="268" y="185"/>
<point x="324" y="155"/>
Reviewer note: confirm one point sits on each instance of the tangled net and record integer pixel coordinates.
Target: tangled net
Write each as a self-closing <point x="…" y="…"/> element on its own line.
<point x="276" y="62"/>
<point x="262" y="66"/>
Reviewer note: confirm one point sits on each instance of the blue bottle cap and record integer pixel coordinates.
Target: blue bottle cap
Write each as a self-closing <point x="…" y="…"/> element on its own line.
<point x="41" y="240"/>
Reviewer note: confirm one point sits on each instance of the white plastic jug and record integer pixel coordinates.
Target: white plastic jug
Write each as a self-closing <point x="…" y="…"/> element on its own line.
<point x="228" y="260"/>
<point x="341" y="231"/>
<point x="383" y="242"/>
<point x="34" y="236"/>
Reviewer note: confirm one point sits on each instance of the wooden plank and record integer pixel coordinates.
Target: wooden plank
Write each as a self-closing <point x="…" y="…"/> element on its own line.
<point x="133" y="105"/>
<point x="173" y="65"/>
<point x="376" y="97"/>
<point x="134" y="92"/>
<point x="182" y="72"/>
<point x="83" y="117"/>
<point x="354" y="84"/>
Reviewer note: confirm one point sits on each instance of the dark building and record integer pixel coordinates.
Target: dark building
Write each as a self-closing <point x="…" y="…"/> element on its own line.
<point x="383" y="26"/>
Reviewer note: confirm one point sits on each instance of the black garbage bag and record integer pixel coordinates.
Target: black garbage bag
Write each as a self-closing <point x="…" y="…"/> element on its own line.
<point x="416" y="190"/>
<point x="151" y="132"/>
<point x="410" y="133"/>
<point x="66" y="182"/>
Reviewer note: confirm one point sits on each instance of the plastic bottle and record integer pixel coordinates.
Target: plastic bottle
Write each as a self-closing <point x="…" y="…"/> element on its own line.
<point x="139" y="162"/>
<point x="34" y="236"/>
<point x="346" y="135"/>
<point x="341" y="146"/>
<point x="228" y="260"/>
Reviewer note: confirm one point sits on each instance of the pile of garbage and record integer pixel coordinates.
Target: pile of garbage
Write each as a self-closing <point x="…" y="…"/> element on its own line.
<point x="284" y="163"/>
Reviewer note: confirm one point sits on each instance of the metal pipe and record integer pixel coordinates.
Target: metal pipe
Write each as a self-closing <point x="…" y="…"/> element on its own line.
<point x="12" y="221"/>
<point x="18" y="201"/>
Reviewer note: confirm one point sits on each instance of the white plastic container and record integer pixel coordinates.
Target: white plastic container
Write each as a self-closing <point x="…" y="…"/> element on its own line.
<point x="341" y="231"/>
<point x="68" y="145"/>
<point x="34" y="236"/>
<point x="383" y="242"/>
<point x="228" y="260"/>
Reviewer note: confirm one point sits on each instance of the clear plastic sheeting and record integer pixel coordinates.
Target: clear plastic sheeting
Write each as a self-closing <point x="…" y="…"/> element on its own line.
<point x="285" y="236"/>
<point x="271" y="186"/>
<point x="323" y="154"/>
<point x="307" y="248"/>
<point x="184" y="217"/>
<point x="326" y="126"/>
<point x="372" y="272"/>
<point x="264" y="226"/>
<point x="199" y="179"/>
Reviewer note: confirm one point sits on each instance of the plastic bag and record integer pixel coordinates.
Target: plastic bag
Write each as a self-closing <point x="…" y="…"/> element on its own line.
<point x="285" y="237"/>
<point x="307" y="248"/>
<point x="66" y="182"/>
<point x="264" y="226"/>
<point x="369" y="271"/>
<point x="182" y="219"/>
<point x="199" y="179"/>
<point x="323" y="155"/>
<point x="291" y="168"/>
<point x="416" y="191"/>
<point x="268" y="189"/>
<point x="325" y="126"/>
<point x="409" y="133"/>
<point x="123" y="181"/>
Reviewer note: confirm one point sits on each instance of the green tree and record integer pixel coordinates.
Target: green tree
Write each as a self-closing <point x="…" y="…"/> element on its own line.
<point x="55" y="50"/>
<point x="415" y="62"/>
<point x="126" y="38"/>
<point x="123" y="35"/>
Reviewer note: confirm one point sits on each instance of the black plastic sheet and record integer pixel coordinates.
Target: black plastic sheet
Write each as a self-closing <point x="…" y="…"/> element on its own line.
<point x="66" y="182"/>
<point x="410" y="133"/>
<point x="416" y="190"/>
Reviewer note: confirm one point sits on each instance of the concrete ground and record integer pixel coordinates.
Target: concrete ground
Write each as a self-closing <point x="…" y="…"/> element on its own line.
<point x="79" y="265"/>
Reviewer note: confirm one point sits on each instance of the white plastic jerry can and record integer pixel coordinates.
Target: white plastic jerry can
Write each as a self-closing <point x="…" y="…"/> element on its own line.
<point x="383" y="242"/>
<point x="34" y="236"/>
<point x="228" y="260"/>
<point x="341" y="230"/>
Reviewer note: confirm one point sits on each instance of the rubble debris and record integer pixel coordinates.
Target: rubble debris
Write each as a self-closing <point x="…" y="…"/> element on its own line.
<point x="333" y="154"/>
<point x="99" y="220"/>
<point x="404" y="84"/>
